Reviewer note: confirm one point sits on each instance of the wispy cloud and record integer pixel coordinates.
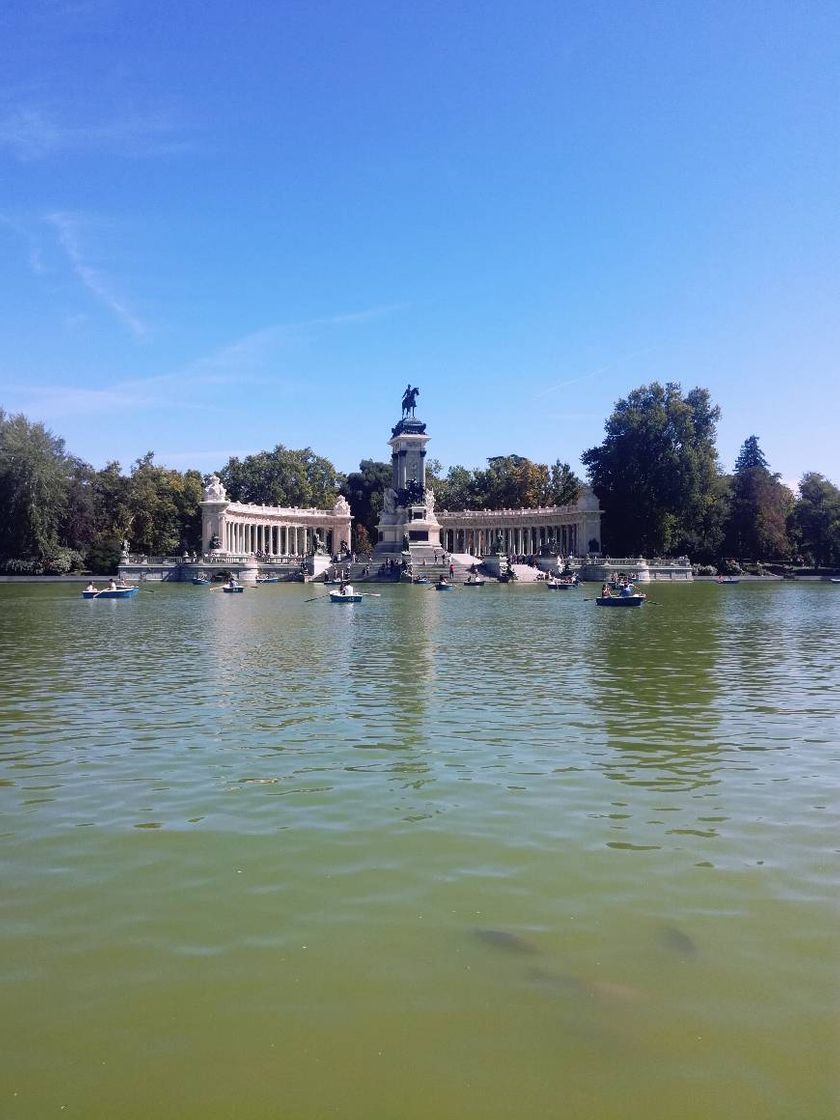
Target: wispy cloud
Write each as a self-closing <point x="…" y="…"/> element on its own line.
<point x="249" y="353"/>
<point x="33" y="132"/>
<point x="34" y="253"/>
<point x="248" y="361"/>
<point x="565" y="384"/>
<point x="67" y="227"/>
<point x="568" y="382"/>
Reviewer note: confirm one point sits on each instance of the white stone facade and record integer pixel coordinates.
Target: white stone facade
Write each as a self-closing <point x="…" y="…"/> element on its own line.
<point x="408" y="508"/>
<point x="244" y="529"/>
<point x="574" y="529"/>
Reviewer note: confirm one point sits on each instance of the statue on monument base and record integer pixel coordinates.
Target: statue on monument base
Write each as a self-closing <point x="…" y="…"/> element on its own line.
<point x="409" y="400"/>
<point x="214" y="491"/>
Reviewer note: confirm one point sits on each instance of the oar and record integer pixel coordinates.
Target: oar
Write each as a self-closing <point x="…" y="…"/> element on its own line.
<point x="313" y="599"/>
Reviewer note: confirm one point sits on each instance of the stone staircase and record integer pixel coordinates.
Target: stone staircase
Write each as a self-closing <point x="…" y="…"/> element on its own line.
<point x="525" y="573"/>
<point x="422" y="561"/>
<point x="425" y="561"/>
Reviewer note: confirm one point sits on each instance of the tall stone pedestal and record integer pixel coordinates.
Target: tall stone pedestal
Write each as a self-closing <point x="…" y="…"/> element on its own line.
<point x="408" y="510"/>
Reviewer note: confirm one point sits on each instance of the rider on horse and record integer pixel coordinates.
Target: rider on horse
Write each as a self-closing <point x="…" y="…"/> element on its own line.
<point x="409" y="400"/>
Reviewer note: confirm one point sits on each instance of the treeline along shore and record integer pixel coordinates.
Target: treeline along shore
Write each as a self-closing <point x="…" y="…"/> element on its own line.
<point x="656" y="473"/>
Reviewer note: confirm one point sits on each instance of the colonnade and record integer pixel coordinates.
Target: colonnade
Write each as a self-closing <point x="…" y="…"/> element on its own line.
<point x="242" y="529"/>
<point x="246" y="537"/>
<point x="518" y="540"/>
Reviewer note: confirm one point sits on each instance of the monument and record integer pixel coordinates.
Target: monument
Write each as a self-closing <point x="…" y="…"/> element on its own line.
<point x="408" y="505"/>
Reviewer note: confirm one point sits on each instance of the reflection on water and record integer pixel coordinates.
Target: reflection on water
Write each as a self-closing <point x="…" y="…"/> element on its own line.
<point x="464" y="855"/>
<point x="657" y="694"/>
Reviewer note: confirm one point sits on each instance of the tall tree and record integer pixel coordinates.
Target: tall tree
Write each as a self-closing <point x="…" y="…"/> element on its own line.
<point x="508" y="482"/>
<point x="165" y="516"/>
<point x="760" y="506"/>
<point x="565" y="485"/>
<point x="655" y="474"/>
<point x="282" y="477"/>
<point x="364" y="489"/>
<point x="35" y="472"/>
<point x="816" y="520"/>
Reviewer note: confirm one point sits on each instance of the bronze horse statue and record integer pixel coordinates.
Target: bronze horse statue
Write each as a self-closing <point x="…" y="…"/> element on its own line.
<point x="409" y="401"/>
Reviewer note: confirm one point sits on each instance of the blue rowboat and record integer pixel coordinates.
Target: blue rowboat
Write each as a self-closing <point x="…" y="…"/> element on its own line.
<point x="443" y="587"/>
<point x="268" y="579"/>
<point x="620" y="600"/>
<point x="558" y="585"/>
<point x="237" y="590"/>
<point x="201" y="581"/>
<point x="111" y="593"/>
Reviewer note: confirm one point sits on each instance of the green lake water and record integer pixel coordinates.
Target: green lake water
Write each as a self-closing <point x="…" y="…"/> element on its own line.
<point x="490" y="854"/>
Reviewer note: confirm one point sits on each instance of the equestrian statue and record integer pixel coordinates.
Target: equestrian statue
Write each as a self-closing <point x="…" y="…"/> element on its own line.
<point x="409" y="401"/>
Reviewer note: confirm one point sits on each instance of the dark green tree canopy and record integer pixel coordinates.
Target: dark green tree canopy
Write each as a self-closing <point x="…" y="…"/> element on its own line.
<point x="816" y="520"/>
<point x="364" y="489"/>
<point x="508" y="482"/>
<point x="760" y="506"/>
<point x="750" y="457"/>
<point x="282" y="477"/>
<point x="35" y="475"/>
<point x="655" y="472"/>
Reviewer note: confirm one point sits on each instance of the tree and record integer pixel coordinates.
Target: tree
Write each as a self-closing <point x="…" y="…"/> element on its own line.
<point x="760" y="506"/>
<point x="364" y="489"/>
<point x="164" y="511"/>
<point x="508" y="482"/>
<point x="360" y="539"/>
<point x="282" y="477"/>
<point x="35" y="472"/>
<point x="656" y="472"/>
<point x="455" y="491"/>
<point x="564" y="486"/>
<point x="816" y="520"/>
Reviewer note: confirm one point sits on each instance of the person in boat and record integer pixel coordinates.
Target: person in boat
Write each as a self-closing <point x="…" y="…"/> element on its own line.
<point x="91" y="586"/>
<point x="342" y="588"/>
<point x="626" y="590"/>
<point x="232" y="581"/>
<point x="606" y="593"/>
<point x="112" y="584"/>
<point x="442" y="579"/>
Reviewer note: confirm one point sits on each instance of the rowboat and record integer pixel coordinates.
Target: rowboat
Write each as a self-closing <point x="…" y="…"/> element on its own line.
<point x="620" y="600"/>
<point x="111" y="593"/>
<point x="268" y="579"/>
<point x="422" y="579"/>
<point x="561" y="585"/>
<point x="235" y="589"/>
<point x="201" y="581"/>
<point x="834" y="579"/>
<point x="345" y="594"/>
<point x="727" y="579"/>
<point x="472" y="581"/>
<point x="441" y="585"/>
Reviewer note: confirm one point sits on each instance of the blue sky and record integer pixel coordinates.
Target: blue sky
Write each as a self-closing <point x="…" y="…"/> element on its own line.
<point x="224" y="226"/>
